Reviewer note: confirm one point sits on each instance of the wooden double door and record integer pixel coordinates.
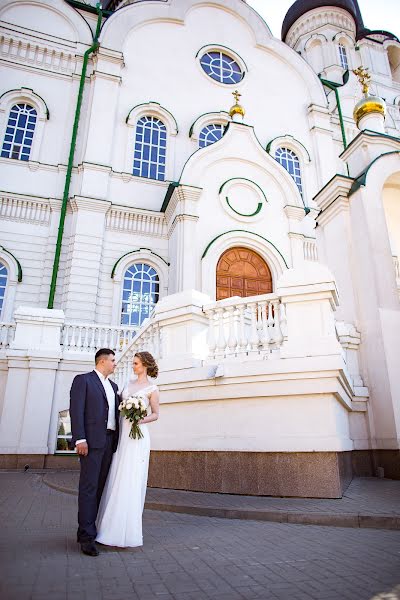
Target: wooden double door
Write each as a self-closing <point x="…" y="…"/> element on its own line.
<point x="242" y="272"/>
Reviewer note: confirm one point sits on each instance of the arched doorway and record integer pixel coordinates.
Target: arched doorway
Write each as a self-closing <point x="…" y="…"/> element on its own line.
<point x="242" y="272"/>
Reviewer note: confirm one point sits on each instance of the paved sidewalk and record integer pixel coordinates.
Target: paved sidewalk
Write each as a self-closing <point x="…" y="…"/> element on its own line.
<point x="367" y="502"/>
<point x="186" y="557"/>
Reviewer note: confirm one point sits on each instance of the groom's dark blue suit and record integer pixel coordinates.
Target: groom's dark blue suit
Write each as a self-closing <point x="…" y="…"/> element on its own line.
<point x="89" y="416"/>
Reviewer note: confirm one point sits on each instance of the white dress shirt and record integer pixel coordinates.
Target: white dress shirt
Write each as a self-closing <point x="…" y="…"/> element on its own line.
<point x="111" y="402"/>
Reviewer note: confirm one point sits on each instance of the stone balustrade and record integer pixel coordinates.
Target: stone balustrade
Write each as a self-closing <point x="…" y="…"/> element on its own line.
<point x="89" y="337"/>
<point x="245" y="326"/>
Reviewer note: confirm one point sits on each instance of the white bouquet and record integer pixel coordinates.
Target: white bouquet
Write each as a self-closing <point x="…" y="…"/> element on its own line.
<point x="134" y="409"/>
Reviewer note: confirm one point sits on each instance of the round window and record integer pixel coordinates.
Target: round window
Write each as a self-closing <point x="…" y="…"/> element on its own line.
<point x="221" y="67"/>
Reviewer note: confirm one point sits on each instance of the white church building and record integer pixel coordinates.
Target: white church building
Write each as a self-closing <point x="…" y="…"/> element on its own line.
<point x="176" y="179"/>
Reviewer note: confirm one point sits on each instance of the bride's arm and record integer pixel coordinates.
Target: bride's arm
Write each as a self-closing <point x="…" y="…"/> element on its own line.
<point x="155" y="408"/>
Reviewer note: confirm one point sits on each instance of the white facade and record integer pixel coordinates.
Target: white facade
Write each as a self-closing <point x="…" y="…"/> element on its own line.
<point x="316" y="362"/>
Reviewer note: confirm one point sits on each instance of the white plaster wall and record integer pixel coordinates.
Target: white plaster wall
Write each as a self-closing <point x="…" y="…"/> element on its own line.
<point x="391" y="196"/>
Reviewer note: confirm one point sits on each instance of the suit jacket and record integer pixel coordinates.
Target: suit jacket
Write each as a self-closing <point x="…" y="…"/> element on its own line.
<point x="89" y="410"/>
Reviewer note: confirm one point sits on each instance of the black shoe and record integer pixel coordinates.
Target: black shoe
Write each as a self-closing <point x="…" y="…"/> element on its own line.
<point x="89" y="548"/>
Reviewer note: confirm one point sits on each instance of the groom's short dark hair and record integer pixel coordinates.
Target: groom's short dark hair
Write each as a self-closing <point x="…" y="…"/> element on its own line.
<point x="102" y="352"/>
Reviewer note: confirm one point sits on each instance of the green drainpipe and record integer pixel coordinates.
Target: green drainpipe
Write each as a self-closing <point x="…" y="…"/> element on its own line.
<point x="334" y="86"/>
<point x="67" y="184"/>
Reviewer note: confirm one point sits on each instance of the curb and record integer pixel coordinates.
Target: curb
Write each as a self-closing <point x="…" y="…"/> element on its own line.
<point x="355" y="520"/>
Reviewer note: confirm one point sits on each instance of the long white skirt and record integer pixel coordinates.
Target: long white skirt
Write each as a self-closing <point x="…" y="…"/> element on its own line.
<point x="119" y="520"/>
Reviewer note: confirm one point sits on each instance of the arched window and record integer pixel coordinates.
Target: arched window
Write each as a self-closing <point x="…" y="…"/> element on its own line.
<point x="3" y="285"/>
<point x="343" y="56"/>
<point x="290" y="161"/>
<point x="19" y="132"/>
<point x="210" y="134"/>
<point x="140" y="293"/>
<point x="150" y="148"/>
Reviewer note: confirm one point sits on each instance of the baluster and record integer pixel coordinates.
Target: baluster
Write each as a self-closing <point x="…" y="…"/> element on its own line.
<point x="242" y="337"/>
<point x="264" y="337"/>
<point x="114" y="339"/>
<point x="232" y="340"/>
<point x="161" y="341"/>
<point x="211" y="341"/>
<point x="221" y="343"/>
<point x="253" y="327"/>
<point x="156" y="340"/>
<point x="278" y="337"/>
<point x="85" y="341"/>
<point x="92" y="344"/>
<point x="78" y="337"/>
<point x="270" y="323"/>
<point x="151" y="339"/>
<point x="283" y="320"/>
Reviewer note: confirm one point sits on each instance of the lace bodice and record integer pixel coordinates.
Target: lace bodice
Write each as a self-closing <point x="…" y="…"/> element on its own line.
<point x="144" y="393"/>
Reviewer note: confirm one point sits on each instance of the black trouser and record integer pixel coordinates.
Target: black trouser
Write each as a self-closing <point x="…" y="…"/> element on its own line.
<point x="94" y="471"/>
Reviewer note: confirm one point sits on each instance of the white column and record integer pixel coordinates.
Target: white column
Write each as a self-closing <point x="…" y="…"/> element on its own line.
<point x="84" y="259"/>
<point x="319" y="119"/>
<point x="182" y="216"/>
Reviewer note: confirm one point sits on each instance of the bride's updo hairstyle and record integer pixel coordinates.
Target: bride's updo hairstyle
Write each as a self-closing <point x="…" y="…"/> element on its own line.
<point x="149" y="362"/>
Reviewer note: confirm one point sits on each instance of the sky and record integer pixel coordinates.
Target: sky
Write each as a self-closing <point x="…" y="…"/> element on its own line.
<point x="377" y="14"/>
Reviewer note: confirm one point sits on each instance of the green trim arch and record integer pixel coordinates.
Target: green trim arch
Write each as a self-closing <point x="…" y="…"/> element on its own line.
<point x="287" y="137"/>
<point x="214" y="113"/>
<point x="243" y="231"/>
<point x="134" y="252"/>
<point x="151" y="104"/>
<point x="21" y="91"/>
<point x="19" y="268"/>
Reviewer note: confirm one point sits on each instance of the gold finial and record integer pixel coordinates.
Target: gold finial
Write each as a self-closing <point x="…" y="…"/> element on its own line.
<point x="364" y="78"/>
<point x="236" y="95"/>
<point x="236" y="109"/>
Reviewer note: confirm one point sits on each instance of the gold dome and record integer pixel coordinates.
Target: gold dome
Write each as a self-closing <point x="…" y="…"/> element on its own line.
<point x="236" y="109"/>
<point x="367" y="106"/>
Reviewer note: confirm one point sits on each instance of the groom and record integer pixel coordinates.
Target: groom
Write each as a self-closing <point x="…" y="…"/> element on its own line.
<point x="94" y="424"/>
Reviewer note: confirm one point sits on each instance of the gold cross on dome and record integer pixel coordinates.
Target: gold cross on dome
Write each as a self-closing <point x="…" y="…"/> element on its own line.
<point x="363" y="77"/>
<point x="236" y="95"/>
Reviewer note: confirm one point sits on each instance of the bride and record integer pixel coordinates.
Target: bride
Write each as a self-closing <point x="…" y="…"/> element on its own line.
<point x="119" y="521"/>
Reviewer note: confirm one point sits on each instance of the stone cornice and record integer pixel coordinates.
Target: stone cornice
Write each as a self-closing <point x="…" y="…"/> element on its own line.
<point x="294" y="212"/>
<point x="366" y="139"/>
<point x="183" y="202"/>
<point x="90" y="204"/>
<point x="338" y="187"/>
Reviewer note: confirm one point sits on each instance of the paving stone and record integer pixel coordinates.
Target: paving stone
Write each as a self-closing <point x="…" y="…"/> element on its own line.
<point x="190" y="557"/>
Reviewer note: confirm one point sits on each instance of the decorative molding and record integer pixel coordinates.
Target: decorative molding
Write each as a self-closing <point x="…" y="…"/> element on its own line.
<point x="217" y="117"/>
<point x="318" y="18"/>
<point x="133" y="253"/>
<point x="89" y="204"/>
<point x="294" y="212"/>
<point x="136" y="221"/>
<point x="25" y="51"/>
<point x="19" y="268"/>
<point x="310" y="249"/>
<point x="183" y="201"/>
<point x="156" y="110"/>
<point x="25" y="209"/>
<point x="251" y="233"/>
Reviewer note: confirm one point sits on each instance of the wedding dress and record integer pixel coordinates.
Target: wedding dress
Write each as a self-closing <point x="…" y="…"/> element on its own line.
<point x="119" y="520"/>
